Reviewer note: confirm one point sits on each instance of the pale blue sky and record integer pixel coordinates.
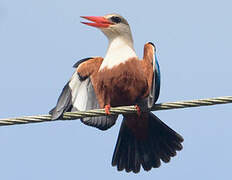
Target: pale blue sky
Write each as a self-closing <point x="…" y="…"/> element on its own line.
<point x="40" y="40"/>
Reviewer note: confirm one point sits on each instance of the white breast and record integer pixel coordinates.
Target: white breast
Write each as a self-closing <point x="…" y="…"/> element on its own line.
<point x="118" y="52"/>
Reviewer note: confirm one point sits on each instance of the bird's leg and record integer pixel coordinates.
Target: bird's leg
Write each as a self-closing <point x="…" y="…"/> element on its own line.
<point x="107" y="109"/>
<point x="138" y="110"/>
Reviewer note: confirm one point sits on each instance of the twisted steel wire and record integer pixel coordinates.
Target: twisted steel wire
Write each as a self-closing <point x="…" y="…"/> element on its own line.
<point x="117" y="110"/>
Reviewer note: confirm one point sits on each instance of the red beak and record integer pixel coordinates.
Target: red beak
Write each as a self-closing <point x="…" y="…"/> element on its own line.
<point x="98" y="21"/>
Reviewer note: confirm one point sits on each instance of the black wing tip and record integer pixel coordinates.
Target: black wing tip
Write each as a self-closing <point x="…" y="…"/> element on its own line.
<point x="52" y="113"/>
<point x="81" y="61"/>
<point x="64" y="103"/>
<point x="151" y="43"/>
<point x="52" y="110"/>
<point x="55" y="114"/>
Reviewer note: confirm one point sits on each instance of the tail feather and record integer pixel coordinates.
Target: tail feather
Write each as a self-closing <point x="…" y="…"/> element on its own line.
<point x="155" y="160"/>
<point x="130" y="155"/>
<point x="161" y="144"/>
<point x="137" y="159"/>
<point x="146" y="155"/>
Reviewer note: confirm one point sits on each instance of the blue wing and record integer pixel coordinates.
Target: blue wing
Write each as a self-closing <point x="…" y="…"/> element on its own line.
<point x="157" y="79"/>
<point x="155" y="88"/>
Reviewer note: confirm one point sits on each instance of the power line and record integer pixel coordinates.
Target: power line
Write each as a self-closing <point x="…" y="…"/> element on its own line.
<point x="116" y="110"/>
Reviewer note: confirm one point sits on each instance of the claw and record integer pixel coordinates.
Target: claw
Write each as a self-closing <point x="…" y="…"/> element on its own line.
<point x="107" y="109"/>
<point x="138" y="110"/>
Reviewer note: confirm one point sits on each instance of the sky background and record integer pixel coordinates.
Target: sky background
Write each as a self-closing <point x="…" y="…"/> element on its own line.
<point x="40" y="40"/>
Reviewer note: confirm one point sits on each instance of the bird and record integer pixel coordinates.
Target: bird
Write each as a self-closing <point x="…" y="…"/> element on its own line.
<point x="120" y="79"/>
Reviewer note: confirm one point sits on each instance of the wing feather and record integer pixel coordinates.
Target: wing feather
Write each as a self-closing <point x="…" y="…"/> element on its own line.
<point x="79" y="95"/>
<point x="155" y="88"/>
<point x="64" y="103"/>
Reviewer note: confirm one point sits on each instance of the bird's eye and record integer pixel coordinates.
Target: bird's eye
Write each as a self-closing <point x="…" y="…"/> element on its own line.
<point x="116" y="19"/>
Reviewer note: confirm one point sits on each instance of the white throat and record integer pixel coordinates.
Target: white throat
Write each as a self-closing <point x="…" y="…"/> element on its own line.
<point x="119" y="51"/>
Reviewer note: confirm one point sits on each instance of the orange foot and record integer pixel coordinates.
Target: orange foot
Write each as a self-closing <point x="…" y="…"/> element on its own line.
<point x="107" y="109"/>
<point x="138" y="110"/>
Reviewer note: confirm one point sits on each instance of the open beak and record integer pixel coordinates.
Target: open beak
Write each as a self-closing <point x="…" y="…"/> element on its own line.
<point x="97" y="21"/>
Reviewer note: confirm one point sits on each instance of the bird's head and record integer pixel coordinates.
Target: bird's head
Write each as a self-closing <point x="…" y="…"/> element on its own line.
<point x="112" y="25"/>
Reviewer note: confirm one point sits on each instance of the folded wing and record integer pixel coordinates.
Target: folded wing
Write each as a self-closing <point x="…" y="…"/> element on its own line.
<point x="155" y="87"/>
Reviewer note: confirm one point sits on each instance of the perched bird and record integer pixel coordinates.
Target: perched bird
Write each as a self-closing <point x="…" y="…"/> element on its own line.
<point x="121" y="78"/>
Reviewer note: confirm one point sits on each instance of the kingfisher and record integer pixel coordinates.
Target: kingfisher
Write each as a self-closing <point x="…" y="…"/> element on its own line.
<point x="120" y="79"/>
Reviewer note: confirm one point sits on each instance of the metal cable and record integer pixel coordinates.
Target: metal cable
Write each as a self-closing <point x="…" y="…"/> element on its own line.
<point x="117" y="110"/>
